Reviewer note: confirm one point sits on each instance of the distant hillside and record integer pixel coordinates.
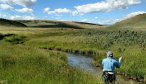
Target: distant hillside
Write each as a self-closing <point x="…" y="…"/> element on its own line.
<point x="48" y="24"/>
<point x="136" y="22"/>
<point x="5" y="22"/>
<point x="58" y="24"/>
<point x="89" y="23"/>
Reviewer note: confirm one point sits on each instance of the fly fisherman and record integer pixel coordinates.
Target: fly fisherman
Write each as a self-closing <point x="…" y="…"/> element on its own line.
<point x="108" y="65"/>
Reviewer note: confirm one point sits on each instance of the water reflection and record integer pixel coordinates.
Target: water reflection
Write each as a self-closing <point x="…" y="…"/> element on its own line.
<point x="85" y="63"/>
<point x="82" y="62"/>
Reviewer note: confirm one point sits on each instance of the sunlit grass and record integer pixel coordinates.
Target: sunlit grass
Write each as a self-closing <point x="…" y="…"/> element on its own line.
<point x="95" y="42"/>
<point x="21" y="64"/>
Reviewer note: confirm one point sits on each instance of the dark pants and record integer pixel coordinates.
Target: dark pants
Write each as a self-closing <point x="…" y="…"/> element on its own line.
<point x="108" y="78"/>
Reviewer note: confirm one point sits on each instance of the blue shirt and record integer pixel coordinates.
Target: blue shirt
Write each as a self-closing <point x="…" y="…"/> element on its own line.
<point x="109" y="64"/>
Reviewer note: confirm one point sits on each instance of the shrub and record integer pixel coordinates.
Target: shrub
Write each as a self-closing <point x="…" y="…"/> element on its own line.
<point x="15" y="39"/>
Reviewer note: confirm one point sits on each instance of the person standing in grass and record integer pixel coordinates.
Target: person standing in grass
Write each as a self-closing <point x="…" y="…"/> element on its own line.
<point x="108" y="65"/>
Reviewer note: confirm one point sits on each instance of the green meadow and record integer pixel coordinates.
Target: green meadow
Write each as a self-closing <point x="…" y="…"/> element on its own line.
<point x="95" y="43"/>
<point x="23" y="63"/>
<point x="27" y="55"/>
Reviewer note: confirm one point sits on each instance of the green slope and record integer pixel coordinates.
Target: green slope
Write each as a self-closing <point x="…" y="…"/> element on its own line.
<point x="49" y="24"/>
<point x="137" y="22"/>
<point x="58" y="24"/>
<point x="5" y="22"/>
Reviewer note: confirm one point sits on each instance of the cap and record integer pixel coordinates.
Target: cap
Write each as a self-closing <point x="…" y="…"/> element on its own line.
<point x="109" y="54"/>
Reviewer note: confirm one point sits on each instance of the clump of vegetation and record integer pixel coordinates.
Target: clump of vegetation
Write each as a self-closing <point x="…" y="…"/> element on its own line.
<point x="15" y="39"/>
<point x="2" y="36"/>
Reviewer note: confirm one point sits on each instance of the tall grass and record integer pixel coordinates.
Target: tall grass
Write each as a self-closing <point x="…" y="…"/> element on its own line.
<point x="96" y="42"/>
<point x="21" y="64"/>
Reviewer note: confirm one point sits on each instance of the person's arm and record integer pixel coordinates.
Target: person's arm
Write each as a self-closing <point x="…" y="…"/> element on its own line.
<point x="118" y="63"/>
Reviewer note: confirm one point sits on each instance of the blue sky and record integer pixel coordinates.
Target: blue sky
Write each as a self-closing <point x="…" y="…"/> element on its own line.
<point x="94" y="11"/>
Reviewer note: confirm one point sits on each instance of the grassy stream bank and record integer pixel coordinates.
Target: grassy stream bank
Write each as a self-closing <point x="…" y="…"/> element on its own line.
<point x="26" y="65"/>
<point x="16" y="58"/>
<point x="95" y="43"/>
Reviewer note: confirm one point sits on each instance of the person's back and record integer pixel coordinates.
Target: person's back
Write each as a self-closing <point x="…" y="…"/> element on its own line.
<point x="108" y="65"/>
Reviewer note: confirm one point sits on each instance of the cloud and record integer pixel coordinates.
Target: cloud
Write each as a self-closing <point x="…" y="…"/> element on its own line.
<point x="96" y="17"/>
<point x="108" y="21"/>
<point x="58" y="11"/>
<point x="103" y="22"/>
<point x="23" y="3"/>
<point x="75" y="13"/>
<point x="46" y="10"/>
<point x="17" y="17"/>
<point x="134" y="14"/>
<point x="3" y="16"/>
<point x="106" y="6"/>
<point x="84" y="20"/>
<point x="5" y="1"/>
<point x="130" y="15"/>
<point x="5" y="7"/>
<point x="24" y="10"/>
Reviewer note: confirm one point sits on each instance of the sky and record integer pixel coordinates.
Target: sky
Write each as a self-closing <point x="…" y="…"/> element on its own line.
<point x="92" y="11"/>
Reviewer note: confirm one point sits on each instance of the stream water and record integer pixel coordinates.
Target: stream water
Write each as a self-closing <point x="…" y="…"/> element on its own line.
<point x="85" y="63"/>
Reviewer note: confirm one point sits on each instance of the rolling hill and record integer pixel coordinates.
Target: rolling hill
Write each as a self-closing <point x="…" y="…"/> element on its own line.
<point x="48" y="24"/>
<point x="5" y="22"/>
<point x="136" y="22"/>
<point x="59" y="24"/>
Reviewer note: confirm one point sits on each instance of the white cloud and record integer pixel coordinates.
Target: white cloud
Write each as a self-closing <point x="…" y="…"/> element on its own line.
<point x="84" y="20"/>
<point x="58" y="11"/>
<point x="126" y="17"/>
<point x="75" y="13"/>
<point x="46" y="10"/>
<point x="134" y="14"/>
<point x="3" y="16"/>
<point x="5" y="7"/>
<point x="23" y="3"/>
<point x="6" y="1"/>
<point x="108" y="22"/>
<point x="106" y="6"/>
<point x="17" y="17"/>
<point x="24" y="10"/>
<point x="96" y="17"/>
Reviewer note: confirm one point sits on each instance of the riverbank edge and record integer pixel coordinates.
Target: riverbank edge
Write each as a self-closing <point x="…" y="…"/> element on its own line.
<point x="91" y="53"/>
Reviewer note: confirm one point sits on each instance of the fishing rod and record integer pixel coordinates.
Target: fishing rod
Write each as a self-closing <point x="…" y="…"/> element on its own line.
<point x="120" y="59"/>
<point x="122" y="51"/>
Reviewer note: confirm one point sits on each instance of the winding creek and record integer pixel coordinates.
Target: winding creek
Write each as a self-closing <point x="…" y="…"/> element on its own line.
<point x="84" y="63"/>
